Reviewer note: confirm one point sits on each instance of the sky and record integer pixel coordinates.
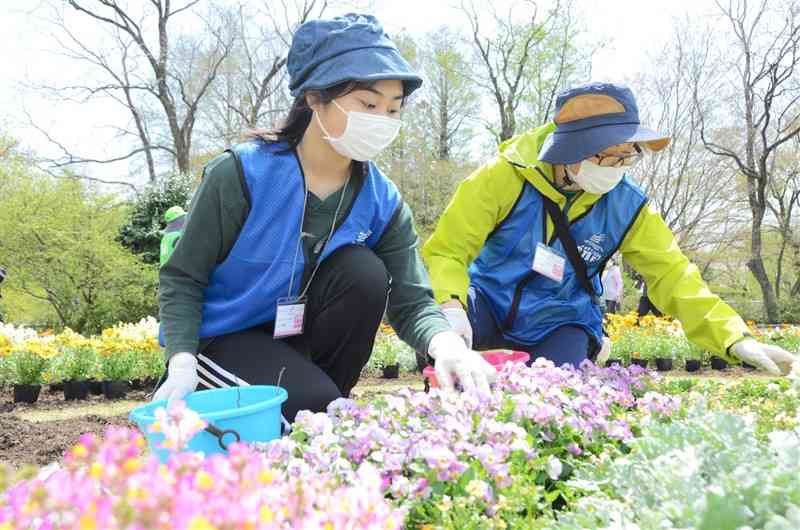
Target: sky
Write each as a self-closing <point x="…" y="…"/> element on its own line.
<point x="631" y="31"/>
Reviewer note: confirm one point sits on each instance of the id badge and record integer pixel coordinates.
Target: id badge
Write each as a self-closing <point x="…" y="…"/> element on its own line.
<point x="549" y="262"/>
<point x="289" y="317"/>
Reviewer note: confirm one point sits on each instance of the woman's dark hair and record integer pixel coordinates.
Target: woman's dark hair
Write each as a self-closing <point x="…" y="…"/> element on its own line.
<point x="296" y="123"/>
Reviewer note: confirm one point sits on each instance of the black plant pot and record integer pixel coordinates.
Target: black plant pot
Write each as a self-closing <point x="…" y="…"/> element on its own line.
<point x="95" y="387"/>
<point x="692" y="365"/>
<point x="56" y="387"/>
<point x="639" y="362"/>
<point x="136" y="384"/>
<point x="663" y="364"/>
<point x="612" y="362"/>
<point x="75" y="390"/>
<point x="391" y="372"/>
<point x="26" y="393"/>
<point x="718" y="363"/>
<point x="115" y="389"/>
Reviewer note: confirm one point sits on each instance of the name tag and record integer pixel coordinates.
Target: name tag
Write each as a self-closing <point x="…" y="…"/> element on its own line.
<point x="289" y="317"/>
<point x="549" y="262"/>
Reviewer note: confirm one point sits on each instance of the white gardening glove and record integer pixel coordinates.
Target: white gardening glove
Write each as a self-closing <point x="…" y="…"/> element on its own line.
<point x="454" y="359"/>
<point x="772" y="359"/>
<point x="459" y="321"/>
<point x="605" y="352"/>
<point x="181" y="378"/>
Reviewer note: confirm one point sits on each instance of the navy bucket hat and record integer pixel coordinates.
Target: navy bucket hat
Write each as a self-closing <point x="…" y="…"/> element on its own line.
<point x="352" y="47"/>
<point x="593" y="117"/>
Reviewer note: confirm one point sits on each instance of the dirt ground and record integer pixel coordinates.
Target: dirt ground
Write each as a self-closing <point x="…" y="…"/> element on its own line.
<point x="40" y="433"/>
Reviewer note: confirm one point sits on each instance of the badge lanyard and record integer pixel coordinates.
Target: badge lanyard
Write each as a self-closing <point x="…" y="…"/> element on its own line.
<point x="291" y="310"/>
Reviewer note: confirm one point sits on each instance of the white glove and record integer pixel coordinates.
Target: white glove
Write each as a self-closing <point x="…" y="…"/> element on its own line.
<point x="605" y="352"/>
<point x="182" y="378"/>
<point x="769" y="358"/>
<point x="460" y="322"/>
<point x="454" y="359"/>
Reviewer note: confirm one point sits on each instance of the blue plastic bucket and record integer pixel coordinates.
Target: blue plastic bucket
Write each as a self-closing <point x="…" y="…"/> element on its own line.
<point x="254" y="412"/>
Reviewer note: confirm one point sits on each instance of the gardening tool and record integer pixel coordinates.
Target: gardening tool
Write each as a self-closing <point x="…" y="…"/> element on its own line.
<point x="220" y="434"/>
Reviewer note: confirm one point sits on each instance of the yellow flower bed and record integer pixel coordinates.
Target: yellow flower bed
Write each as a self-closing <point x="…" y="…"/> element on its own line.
<point x="129" y="349"/>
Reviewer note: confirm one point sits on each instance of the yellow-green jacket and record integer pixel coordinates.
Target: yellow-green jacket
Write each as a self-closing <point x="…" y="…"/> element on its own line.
<point x="484" y="200"/>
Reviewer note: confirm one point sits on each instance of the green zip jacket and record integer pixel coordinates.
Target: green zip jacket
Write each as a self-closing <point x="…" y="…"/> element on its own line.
<point x="218" y="212"/>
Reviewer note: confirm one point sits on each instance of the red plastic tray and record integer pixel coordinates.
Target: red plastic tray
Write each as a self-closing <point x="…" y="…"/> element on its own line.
<point x="495" y="358"/>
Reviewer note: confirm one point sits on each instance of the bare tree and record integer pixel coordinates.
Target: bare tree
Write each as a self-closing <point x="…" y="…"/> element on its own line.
<point x="523" y="58"/>
<point x="450" y="96"/>
<point x="684" y="180"/>
<point x="758" y="72"/>
<point x="251" y="87"/>
<point x="157" y="74"/>
<point x="784" y="202"/>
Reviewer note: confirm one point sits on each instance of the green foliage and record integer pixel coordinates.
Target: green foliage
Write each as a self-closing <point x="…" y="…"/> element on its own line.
<point x="78" y="363"/>
<point x="708" y="471"/>
<point x="384" y="354"/>
<point x="141" y="233"/>
<point x="772" y="403"/>
<point x="7" y="371"/>
<point x="28" y="367"/>
<point x="58" y="245"/>
<point x="690" y="350"/>
<point x="117" y="366"/>
<point x="148" y="365"/>
<point x="390" y="350"/>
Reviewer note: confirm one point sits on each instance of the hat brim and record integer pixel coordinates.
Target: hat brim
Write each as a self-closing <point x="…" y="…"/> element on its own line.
<point x="576" y="146"/>
<point x="363" y="64"/>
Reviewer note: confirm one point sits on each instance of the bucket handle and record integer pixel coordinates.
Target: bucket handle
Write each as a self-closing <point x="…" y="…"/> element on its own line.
<point x="220" y="434"/>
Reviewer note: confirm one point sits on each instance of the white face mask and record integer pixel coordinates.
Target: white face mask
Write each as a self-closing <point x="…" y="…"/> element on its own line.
<point x="597" y="179"/>
<point x="365" y="135"/>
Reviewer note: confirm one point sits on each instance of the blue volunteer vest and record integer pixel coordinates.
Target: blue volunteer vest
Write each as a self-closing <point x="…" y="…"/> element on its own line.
<point x="529" y="306"/>
<point x="243" y="290"/>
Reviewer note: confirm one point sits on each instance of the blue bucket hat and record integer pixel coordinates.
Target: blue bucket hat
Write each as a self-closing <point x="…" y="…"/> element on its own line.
<point x="593" y="117"/>
<point x="352" y="47"/>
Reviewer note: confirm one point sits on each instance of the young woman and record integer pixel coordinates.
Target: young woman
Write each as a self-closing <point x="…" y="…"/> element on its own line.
<point x="296" y="243"/>
<point x="517" y="256"/>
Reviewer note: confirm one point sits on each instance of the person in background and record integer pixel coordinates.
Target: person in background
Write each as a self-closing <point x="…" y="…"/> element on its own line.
<point x="2" y="279"/>
<point x="646" y="305"/>
<point x="613" y="288"/>
<point x="175" y="218"/>
<point x="515" y="258"/>
<point x="294" y="238"/>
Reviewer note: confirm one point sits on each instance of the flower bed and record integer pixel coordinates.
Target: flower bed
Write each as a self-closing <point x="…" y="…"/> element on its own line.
<point x="708" y="471"/>
<point x="649" y="338"/>
<point x="440" y="460"/>
<point x="122" y="353"/>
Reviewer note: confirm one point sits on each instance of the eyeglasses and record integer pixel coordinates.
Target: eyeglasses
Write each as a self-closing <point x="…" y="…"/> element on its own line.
<point x="627" y="160"/>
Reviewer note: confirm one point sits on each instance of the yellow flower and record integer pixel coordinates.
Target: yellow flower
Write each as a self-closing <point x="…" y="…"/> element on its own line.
<point x="203" y="481"/>
<point x="88" y="522"/>
<point x="80" y="451"/>
<point x="96" y="470"/>
<point x="132" y="465"/>
<point x="266" y="477"/>
<point x="266" y="516"/>
<point x="200" y="523"/>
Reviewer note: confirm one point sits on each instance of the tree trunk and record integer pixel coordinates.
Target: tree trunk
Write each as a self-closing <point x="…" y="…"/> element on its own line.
<point x="756" y="266"/>
<point x="779" y="272"/>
